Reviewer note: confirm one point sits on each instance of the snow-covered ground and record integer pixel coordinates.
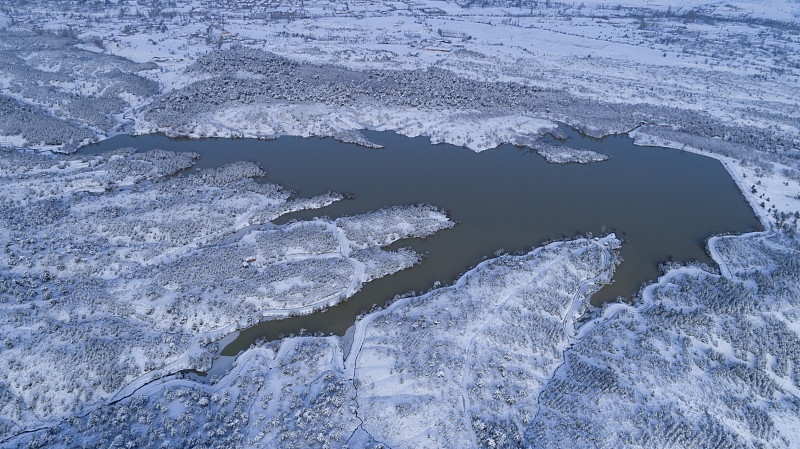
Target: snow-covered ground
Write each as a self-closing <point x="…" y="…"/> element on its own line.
<point x="412" y="377"/>
<point x="58" y="94"/>
<point x="453" y="367"/>
<point x="716" y="78"/>
<point x="697" y="360"/>
<point x="115" y="271"/>
<point x="561" y="154"/>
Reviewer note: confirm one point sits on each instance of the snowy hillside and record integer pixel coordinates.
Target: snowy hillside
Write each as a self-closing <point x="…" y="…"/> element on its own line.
<point x="119" y="273"/>
<point x="714" y="78"/>
<point x="115" y="272"/>
<point x="709" y="77"/>
<point x="698" y="360"/>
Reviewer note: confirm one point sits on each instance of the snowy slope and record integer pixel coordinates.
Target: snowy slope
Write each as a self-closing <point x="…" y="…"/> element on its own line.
<point x="697" y="360"/>
<point x="718" y="78"/>
<point x="114" y="272"/>
<point x="306" y="393"/>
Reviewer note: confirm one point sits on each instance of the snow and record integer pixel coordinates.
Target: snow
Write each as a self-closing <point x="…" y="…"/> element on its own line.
<point x="661" y="53"/>
<point x="119" y="272"/>
<point x="492" y="360"/>
<point x="305" y="392"/>
<point x="601" y="68"/>
<point x="558" y="154"/>
<point x="12" y="141"/>
<point x="436" y="349"/>
<point x="650" y="370"/>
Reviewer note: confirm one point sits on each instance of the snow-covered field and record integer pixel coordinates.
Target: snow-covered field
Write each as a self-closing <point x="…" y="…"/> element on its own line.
<point x="697" y="360"/>
<point x="562" y="154"/>
<point x="421" y="373"/>
<point x="714" y="78"/>
<point x="57" y="95"/>
<point x="120" y="270"/>
<point x="115" y="271"/>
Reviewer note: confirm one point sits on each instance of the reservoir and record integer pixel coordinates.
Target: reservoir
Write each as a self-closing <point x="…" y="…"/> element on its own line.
<point x="662" y="203"/>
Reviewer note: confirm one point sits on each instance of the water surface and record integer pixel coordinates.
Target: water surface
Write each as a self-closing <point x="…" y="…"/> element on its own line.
<point x="662" y="202"/>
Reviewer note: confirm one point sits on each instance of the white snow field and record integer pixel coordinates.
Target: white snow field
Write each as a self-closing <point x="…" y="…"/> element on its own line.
<point x="561" y="154"/>
<point x="118" y="272"/>
<point x="113" y="269"/>
<point x="697" y="360"/>
<point x="709" y="77"/>
<point x="409" y="379"/>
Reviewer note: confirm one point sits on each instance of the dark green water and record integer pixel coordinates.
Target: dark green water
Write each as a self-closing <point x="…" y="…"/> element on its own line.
<point x="664" y="203"/>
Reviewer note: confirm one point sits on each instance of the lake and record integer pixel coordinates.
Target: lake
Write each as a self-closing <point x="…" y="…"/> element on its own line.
<point x="662" y="202"/>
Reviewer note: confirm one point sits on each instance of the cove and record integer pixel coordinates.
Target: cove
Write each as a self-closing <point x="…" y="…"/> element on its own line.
<point x="663" y="203"/>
